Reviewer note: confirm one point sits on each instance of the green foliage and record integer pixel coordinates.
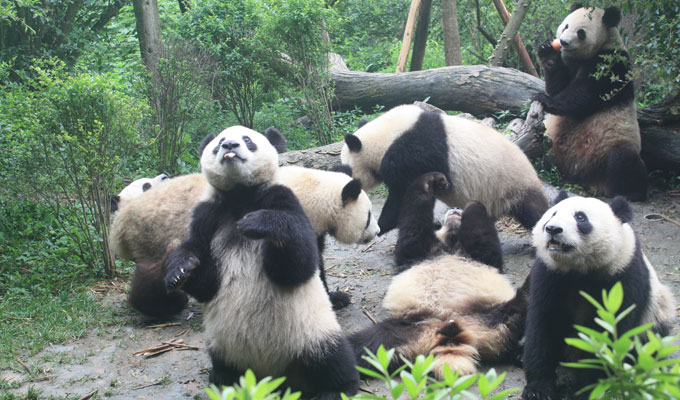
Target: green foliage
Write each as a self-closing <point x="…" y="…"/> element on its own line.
<point x="179" y="95"/>
<point x="634" y="369"/>
<point x="249" y="388"/>
<point x="230" y="32"/>
<point x="414" y="383"/>
<point x="294" y="28"/>
<point x="63" y="136"/>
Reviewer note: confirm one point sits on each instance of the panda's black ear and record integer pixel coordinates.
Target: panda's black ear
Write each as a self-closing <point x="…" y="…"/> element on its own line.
<point x="344" y="168"/>
<point x="353" y="142"/>
<point x="362" y="122"/>
<point x="115" y="200"/>
<point x="575" y="6"/>
<point x="622" y="209"/>
<point x="207" y="139"/>
<point x="351" y="191"/>
<point x="276" y="139"/>
<point x="563" y="194"/>
<point x="612" y="16"/>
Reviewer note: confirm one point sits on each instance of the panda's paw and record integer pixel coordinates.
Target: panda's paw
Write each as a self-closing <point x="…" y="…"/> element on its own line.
<point x="339" y="299"/>
<point x="537" y="392"/>
<point x="254" y="225"/>
<point x="542" y="98"/>
<point x="177" y="270"/>
<point x="546" y="51"/>
<point x="435" y="183"/>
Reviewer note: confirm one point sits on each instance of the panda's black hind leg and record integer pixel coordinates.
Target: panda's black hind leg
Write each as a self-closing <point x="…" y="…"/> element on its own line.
<point x="530" y="208"/>
<point x="149" y="295"/>
<point x="223" y="374"/>
<point x="626" y="174"/>
<point x="327" y="371"/>
<point x="478" y="236"/>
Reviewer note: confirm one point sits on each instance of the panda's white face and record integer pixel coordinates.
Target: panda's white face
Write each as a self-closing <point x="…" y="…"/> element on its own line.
<point x="583" y="235"/>
<point x="583" y="33"/>
<point x="450" y="225"/>
<point x="239" y="155"/>
<point x="139" y="186"/>
<point x="355" y="222"/>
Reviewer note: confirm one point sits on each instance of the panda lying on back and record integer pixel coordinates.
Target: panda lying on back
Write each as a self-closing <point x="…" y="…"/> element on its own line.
<point x="252" y="257"/>
<point x="584" y="244"/>
<point x="451" y="306"/>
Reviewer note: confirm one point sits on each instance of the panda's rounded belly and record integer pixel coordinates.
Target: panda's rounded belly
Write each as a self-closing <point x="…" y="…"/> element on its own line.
<point x="254" y="323"/>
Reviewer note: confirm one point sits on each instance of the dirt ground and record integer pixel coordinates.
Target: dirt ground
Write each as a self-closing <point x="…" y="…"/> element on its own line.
<point x="104" y="362"/>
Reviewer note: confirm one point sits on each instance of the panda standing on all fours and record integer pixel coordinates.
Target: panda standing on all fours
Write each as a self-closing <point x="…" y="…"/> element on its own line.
<point x="584" y="244"/>
<point x="251" y="255"/>
<point x="590" y="103"/>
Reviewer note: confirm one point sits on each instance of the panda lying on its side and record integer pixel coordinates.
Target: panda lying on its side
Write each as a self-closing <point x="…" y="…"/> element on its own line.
<point x="584" y="244"/>
<point x="134" y="190"/>
<point x="455" y="308"/>
<point x="251" y="255"/>
<point x="153" y="225"/>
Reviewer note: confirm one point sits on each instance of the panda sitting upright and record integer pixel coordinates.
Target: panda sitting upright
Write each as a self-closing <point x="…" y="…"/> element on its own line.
<point x="252" y="257"/>
<point x="590" y="103"/>
<point x="584" y="244"/>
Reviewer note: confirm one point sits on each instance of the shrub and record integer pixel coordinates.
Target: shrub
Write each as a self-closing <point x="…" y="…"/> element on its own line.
<point x="634" y="368"/>
<point x="63" y="138"/>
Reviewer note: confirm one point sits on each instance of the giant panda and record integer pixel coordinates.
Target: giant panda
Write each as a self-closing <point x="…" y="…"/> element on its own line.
<point x="152" y="226"/>
<point x="134" y="190"/>
<point x="584" y="244"/>
<point x="479" y="162"/>
<point x="445" y="304"/>
<point x="590" y="105"/>
<point x="251" y="256"/>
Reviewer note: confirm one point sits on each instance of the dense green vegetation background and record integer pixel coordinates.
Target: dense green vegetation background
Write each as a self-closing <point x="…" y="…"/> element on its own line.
<point x="79" y="113"/>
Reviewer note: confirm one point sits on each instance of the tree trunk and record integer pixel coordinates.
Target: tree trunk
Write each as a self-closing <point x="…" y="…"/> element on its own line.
<point x="476" y="89"/>
<point x="149" y="33"/>
<point x="420" y="42"/>
<point x="450" y="32"/>
<point x="517" y="40"/>
<point x="509" y="32"/>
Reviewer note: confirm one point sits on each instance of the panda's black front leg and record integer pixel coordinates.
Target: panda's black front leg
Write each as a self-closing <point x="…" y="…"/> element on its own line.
<point x="416" y="240"/>
<point x="291" y="255"/>
<point x="178" y="268"/>
<point x="389" y="215"/>
<point x="556" y="73"/>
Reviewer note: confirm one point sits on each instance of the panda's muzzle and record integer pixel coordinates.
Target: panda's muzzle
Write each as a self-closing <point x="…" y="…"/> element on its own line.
<point x="229" y="150"/>
<point x="554" y="244"/>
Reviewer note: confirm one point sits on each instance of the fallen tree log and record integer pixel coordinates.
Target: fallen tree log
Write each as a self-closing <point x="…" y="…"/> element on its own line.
<point x="476" y="89"/>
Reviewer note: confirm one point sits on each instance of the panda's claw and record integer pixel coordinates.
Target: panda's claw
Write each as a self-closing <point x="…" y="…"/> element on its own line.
<point x="178" y="271"/>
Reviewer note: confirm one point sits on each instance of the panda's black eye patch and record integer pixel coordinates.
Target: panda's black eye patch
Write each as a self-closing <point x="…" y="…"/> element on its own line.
<point x="146" y="187"/>
<point x="368" y="221"/>
<point x="582" y="223"/>
<point x="581" y="34"/>
<point x="565" y="27"/>
<point x="249" y="143"/>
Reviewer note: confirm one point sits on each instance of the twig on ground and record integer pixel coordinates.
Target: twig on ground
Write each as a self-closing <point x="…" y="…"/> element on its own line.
<point x="22" y="364"/>
<point x="368" y="314"/>
<point x="87" y="396"/>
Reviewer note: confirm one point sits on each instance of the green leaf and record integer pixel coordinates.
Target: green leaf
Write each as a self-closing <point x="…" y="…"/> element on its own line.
<point x="614" y="300"/>
<point x="397" y="390"/>
<point x="599" y="389"/>
<point x="636" y="331"/>
<point x="483" y="385"/>
<point x="504" y="394"/>
<point x="370" y="372"/>
<point x="580" y="344"/>
<point x="582" y="365"/>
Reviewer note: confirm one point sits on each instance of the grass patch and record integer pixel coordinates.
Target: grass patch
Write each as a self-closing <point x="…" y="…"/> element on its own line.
<point x="44" y="286"/>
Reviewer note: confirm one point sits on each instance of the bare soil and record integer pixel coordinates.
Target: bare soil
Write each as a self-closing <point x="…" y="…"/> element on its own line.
<point x="104" y="361"/>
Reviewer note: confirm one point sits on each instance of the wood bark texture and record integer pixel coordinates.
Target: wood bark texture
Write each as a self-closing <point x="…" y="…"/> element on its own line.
<point x="420" y="42"/>
<point x="476" y="89"/>
<point x="517" y="40"/>
<point x="509" y="32"/>
<point x="408" y="35"/>
<point x="450" y="33"/>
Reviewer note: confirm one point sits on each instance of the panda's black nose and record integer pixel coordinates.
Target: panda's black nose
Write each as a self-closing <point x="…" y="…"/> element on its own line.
<point x="230" y="144"/>
<point x="564" y="43"/>
<point x="553" y="230"/>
